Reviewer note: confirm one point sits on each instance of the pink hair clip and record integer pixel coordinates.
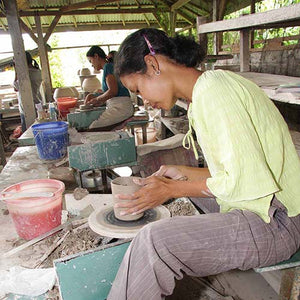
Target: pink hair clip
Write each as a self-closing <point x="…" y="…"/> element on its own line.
<point x="152" y="52"/>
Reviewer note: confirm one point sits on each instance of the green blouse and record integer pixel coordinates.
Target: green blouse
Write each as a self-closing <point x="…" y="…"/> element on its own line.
<point x="246" y="143"/>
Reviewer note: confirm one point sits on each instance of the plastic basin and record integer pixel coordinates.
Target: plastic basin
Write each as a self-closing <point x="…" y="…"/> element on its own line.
<point x="64" y="104"/>
<point x="34" y="216"/>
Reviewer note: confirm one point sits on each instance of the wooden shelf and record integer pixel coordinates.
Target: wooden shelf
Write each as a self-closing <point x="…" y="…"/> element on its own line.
<point x="289" y="16"/>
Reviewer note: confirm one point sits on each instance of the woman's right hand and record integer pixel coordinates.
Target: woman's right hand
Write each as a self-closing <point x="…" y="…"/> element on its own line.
<point x="88" y="98"/>
<point x="170" y="172"/>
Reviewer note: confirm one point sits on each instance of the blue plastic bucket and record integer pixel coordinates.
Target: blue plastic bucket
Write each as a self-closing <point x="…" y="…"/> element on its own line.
<point x="51" y="139"/>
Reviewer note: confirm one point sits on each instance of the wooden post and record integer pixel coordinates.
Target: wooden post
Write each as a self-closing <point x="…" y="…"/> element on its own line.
<point x="172" y="22"/>
<point x="244" y="51"/>
<point x="252" y="31"/>
<point x="202" y="37"/>
<point x="20" y="61"/>
<point x="216" y="34"/>
<point x="44" y="59"/>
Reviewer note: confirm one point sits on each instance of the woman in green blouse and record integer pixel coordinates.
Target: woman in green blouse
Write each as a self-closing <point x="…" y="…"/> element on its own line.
<point x="253" y="172"/>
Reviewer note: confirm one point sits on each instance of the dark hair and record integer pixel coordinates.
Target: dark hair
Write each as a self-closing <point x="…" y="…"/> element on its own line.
<point x="96" y="50"/>
<point x="130" y="57"/>
<point x="111" y="59"/>
<point x="31" y="61"/>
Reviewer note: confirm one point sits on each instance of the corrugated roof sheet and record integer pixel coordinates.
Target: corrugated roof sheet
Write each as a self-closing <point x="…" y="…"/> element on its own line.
<point x="89" y="17"/>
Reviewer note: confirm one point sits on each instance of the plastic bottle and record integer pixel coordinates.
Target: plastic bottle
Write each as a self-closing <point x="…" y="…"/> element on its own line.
<point x="52" y="112"/>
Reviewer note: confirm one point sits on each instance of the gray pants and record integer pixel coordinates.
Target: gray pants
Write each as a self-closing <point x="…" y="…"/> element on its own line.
<point x="117" y="110"/>
<point x="200" y="246"/>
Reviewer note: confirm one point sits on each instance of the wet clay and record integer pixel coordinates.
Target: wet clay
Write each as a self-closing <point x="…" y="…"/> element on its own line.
<point x="124" y="185"/>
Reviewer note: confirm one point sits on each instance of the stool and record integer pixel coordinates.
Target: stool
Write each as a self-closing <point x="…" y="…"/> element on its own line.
<point x="290" y="281"/>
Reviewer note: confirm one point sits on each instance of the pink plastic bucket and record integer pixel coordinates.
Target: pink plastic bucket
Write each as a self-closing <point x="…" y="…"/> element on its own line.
<point x="35" y="216"/>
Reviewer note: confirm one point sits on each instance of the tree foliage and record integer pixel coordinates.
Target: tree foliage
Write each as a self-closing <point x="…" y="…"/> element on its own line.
<point x="55" y="63"/>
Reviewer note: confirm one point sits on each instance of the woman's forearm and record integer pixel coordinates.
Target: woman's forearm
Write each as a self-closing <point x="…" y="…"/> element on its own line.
<point x="104" y="97"/>
<point x="193" y="173"/>
<point x="190" y="189"/>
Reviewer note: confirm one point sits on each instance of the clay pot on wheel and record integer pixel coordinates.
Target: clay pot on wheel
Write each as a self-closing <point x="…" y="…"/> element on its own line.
<point x="124" y="185"/>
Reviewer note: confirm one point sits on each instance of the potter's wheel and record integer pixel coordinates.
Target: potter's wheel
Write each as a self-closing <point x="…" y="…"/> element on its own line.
<point x="104" y="222"/>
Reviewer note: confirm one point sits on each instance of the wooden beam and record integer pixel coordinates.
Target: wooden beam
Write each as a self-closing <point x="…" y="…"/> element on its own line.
<point x="178" y="4"/>
<point x="279" y="15"/>
<point x="85" y="4"/>
<point x="27" y="30"/>
<point x="51" y="27"/>
<point x="92" y="12"/>
<point x="44" y="59"/>
<point x="21" y="65"/>
<point x="107" y="26"/>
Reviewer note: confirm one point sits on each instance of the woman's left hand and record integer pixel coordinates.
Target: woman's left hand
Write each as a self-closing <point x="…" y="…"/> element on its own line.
<point x="155" y="190"/>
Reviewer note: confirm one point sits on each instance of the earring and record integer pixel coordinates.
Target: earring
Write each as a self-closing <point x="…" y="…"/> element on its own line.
<point x="157" y="72"/>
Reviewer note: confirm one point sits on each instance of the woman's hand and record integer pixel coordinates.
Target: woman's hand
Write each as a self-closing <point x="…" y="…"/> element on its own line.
<point x="170" y="172"/>
<point x="155" y="191"/>
<point x="89" y="99"/>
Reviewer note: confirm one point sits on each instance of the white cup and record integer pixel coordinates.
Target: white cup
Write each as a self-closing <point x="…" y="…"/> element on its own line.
<point x="124" y="185"/>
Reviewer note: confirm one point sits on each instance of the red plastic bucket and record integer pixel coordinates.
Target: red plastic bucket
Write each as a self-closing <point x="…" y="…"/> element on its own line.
<point x="34" y="216"/>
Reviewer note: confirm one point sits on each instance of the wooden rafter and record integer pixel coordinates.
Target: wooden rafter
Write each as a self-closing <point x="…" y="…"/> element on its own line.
<point x="75" y="22"/>
<point x="123" y="20"/>
<point x="222" y="6"/>
<point x="3" y="25"/>
<point x="179" y="4"/>
<point x="147" y="20"/>
<point x="186" y="17"/>
<point x="44" y="4"/>
<point x="98" y="20"/>
<point x="90" y="3"/>
<point x="2" y="9"/>
<point x="204" y="9"/>
<point x="27" y="30"/>
<point x="26" y="21"/>
<point x="186" y="28"/>
<point x="158" y="21"/>
<point x="51" y="27"/>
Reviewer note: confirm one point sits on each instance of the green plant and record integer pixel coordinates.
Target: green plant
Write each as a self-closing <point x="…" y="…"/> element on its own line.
<point x="55" y="64"/>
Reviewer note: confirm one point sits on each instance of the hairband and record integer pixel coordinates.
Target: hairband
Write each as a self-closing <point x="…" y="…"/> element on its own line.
<point x="152" y="52"/>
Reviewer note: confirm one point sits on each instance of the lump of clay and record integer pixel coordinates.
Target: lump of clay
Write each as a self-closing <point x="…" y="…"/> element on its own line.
<point x="80" y="193"/>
